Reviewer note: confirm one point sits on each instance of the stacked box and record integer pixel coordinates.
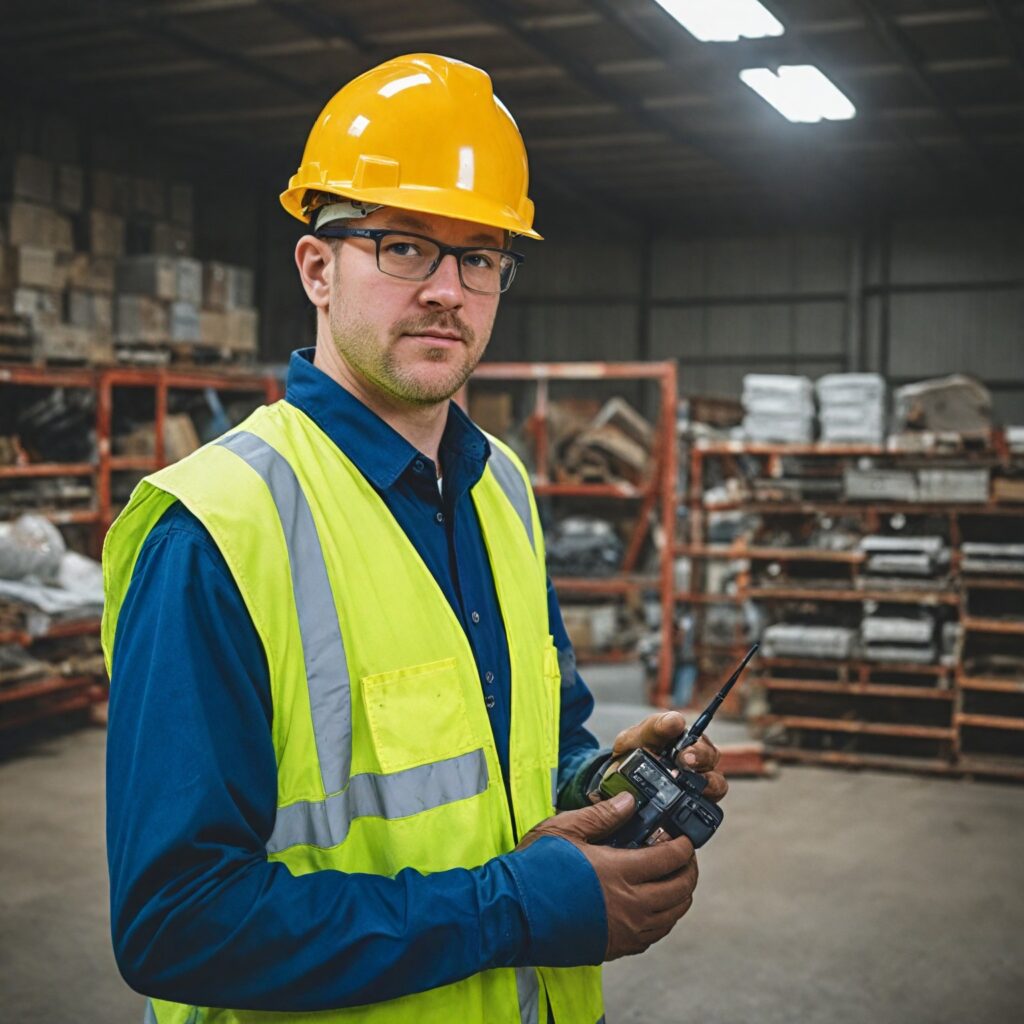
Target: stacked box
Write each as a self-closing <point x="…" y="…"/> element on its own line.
<point x="92" y="273"/>
<point x="159" y="237"/>
<point x="213" y="328"/>
<point x="189" y="281"/>
<point x="155" y="276"/>
<point x="107" y="190"/>
<point x="90" y="310"/>
<point x="184" y="322"/>
<point x="29" y="266"/>
<point x="242" y="330"/>
<point x="215" y="285"/>
<point x="64" y="343"/>
<point x="40" y="308"/>
<point x="239" y="288"/>
<point x="147" y="198"/>
<point x="25" y="176"/>
<point x="105" y="233"/>
<point x="953" y="485"/>
<point x="141" y="318"/>
<point x="30" y="224"/>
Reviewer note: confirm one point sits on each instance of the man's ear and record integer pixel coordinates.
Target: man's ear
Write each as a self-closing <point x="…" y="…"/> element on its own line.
<point x="313" y="257"/>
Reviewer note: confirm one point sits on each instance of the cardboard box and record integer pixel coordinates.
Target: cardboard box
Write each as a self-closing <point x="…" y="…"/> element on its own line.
<point x="240" y="294"/>
<point x="242" y="330"/>
<point x="26" y="176"/>
<point x="41" y="308"/>
<point x="179" y="204"/>
<point x="184" y="322"/>
<point x="141" y="318"/>
<point x="180" y="437"/>
<point x="159" y="237"/>
<point x="63" y="343"/>
<point x="591" y="627"/>
<point x="105" y="233"/>
<point x="89" y="309"/>
<point x="215" y="285"/>
<point x="31" y="224"/>
<point x="156" y="276"/>
<point x="189" y="281"/>
<point x="30" y="266"/>
<point x="92" y="273"/>
<point x="213" y="328"/>
<point x="70" y="188"/>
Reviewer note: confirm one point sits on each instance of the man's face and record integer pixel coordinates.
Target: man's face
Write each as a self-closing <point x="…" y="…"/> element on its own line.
<point x="415" y="341"/>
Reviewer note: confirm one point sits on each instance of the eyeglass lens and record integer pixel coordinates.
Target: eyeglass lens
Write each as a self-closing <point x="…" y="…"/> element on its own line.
<point x="406" y="256"/>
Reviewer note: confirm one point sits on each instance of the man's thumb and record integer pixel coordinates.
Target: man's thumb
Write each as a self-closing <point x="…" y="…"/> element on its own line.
<point x="602" y="819"/>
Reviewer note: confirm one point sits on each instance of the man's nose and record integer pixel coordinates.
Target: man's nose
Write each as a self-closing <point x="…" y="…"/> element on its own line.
<point x="444" y="287"/>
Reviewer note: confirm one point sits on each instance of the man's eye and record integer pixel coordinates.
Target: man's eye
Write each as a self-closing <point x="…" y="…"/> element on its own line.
<point x="481" y="260"/>
<point x="402" y="249"/>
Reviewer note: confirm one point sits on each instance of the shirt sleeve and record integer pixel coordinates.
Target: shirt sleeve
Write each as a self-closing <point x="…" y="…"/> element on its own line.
<point x="199" y="915"/>
<point x="578" y="749"/>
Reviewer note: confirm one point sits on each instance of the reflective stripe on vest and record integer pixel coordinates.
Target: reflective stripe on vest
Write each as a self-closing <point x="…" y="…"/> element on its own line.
<point x="514" y="487"/>
<point x="323" y="649"/>
<point x="528" y="990"/>
<point x="325" y="823"/>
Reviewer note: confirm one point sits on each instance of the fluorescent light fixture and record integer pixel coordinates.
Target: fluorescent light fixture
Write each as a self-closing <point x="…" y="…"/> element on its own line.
<point x="723" y="21"/>
<point x="800" y="93"/>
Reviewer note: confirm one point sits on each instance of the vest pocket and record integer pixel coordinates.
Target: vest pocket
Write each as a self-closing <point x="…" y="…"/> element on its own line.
<point x="417" y="715"/>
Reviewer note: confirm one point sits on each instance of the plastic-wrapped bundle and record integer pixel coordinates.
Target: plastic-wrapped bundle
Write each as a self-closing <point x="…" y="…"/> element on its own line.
<point x="779" y="407"/>
<point x="31" y="546"/>
<point x="852" y="407"/>
<point x="799" y="641"/>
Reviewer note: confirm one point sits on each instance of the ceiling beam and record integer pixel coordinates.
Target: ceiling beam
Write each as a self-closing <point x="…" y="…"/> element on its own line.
<point x="903" y="48"/>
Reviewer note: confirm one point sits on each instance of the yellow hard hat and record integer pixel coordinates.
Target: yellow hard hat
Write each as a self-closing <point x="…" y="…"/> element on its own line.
<point x="423" y="133"/>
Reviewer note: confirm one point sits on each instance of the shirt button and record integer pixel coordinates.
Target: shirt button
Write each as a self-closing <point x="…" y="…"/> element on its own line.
<point x="490" y="701"/>
<point x="418" y="465"/>
<point x="475" y="616"/>
<point x="488" y="677"/>
<point x="439" y="517"/>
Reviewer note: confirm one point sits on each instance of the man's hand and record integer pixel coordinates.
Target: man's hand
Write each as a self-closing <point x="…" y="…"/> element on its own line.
<point x="645" y="891"/>
<point x="655" y="732"/>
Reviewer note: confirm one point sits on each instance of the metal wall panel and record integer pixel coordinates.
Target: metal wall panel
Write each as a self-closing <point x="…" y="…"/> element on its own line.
<point x="981" y="333"/>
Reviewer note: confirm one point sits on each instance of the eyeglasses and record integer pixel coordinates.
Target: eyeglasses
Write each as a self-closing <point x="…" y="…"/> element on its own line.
<point x="415" y="257"/>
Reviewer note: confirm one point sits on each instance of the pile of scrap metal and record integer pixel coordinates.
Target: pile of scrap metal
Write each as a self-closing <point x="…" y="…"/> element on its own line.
<point x="902" y="561"/>
<point x="958" y="485"/>
<point x="614" y="446"/>
<point x="995" y="559"/>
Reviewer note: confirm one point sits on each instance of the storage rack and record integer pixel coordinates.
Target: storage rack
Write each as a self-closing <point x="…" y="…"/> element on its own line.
<point x="955" y="707"/>
<point x="54" y="695"/>
<point x="656" y="497"/>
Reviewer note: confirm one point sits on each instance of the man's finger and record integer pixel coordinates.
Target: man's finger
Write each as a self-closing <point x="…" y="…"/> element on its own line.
<point x="703" y="756"/>
<point x="656" y="861"/>
<point x="653" y="732"/>
<point x="717" y="786"/>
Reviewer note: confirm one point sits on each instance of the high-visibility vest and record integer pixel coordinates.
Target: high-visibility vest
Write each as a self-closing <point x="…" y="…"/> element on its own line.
<point x="385" y="756"/>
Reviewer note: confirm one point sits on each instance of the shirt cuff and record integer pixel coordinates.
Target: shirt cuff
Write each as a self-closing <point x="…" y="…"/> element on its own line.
<point x="563" y="904"/>
<point x="578" y="776"/>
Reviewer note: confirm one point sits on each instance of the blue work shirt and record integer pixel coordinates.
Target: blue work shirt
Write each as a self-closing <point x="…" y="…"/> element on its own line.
<point x="199" y="915"/>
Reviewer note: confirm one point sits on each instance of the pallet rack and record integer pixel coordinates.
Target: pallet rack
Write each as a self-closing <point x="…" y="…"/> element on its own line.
<point x="655" y="497"/>
<point x="61" y="694"/>
<point x="939" y="707"/>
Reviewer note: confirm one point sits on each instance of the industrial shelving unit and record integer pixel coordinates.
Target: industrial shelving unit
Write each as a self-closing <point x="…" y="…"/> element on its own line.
<point x="657" y="496"/>
<point x="935" y="717"/>
<point x="62" y="694"/>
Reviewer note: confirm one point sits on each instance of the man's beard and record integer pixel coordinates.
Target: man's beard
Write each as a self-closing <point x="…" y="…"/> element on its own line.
<point x="358" y="344"/>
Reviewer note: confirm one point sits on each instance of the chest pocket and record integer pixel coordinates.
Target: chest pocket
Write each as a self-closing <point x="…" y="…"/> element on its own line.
<point x="417" y="715"/>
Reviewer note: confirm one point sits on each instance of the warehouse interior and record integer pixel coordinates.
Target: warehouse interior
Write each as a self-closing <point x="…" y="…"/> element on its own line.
<point x="767" y="376"/>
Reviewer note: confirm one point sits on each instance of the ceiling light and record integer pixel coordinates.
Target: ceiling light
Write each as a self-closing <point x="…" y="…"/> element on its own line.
<point x="799" y="92"/>
<point x="723" y="21"/>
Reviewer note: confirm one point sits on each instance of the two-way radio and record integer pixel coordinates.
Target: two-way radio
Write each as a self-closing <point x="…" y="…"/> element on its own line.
<point x="669" y="799"/>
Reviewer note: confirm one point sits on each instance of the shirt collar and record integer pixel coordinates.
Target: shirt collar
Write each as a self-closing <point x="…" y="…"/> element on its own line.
<point x="379" y="452"/>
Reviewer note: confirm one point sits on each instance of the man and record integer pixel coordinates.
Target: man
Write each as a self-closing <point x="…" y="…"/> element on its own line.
<point x="342" y="697"/>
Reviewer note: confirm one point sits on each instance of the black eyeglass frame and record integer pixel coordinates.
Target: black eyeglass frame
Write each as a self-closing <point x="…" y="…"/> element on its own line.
<point x="376" y="235"/>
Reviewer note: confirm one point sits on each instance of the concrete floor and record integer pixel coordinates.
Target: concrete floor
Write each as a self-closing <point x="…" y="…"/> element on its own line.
<point x="827" y="897"/>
